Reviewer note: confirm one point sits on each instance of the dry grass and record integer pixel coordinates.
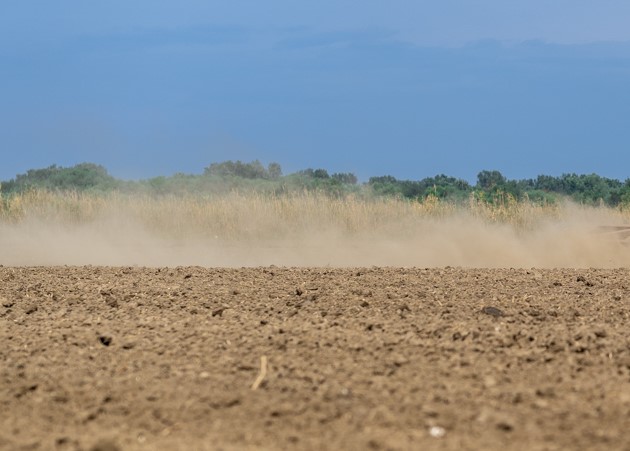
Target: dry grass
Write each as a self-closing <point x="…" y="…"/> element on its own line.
<point x="257" y="216"/>
<point x="303" y="229"/>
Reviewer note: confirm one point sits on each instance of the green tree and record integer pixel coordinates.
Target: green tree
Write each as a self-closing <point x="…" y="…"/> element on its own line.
<point x="347" y="178"/>
<point x="253" y="170"/>
<point x="320" y="174"/>
<point x="274" y="170"/>
<point x="488" y="180"/>
<point x="84" y="176"/>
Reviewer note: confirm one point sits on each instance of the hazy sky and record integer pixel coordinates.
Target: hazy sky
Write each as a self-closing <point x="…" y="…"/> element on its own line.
<point x="406" y="88"/>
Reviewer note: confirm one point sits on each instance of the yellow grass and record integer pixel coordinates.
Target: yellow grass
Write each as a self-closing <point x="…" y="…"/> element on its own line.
<point x="304" y="229"/>
<point x="239" y="215"/>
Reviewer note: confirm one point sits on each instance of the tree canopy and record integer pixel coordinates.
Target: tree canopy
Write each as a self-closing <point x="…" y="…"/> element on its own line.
<point x="225" y="176"/>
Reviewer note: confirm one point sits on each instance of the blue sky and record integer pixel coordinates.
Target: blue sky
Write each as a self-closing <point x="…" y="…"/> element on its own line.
<point x="406" y="88"/>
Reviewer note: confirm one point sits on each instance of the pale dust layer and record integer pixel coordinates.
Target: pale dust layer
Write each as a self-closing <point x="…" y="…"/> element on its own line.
<point x="573" y="240"/>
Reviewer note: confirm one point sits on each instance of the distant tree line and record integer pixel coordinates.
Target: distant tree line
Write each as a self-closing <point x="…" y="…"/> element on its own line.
<point x="253" y="170"/>
<point x="84" y="176"/>
<point x="254" y="176"/>
<point x="587" y="189"/>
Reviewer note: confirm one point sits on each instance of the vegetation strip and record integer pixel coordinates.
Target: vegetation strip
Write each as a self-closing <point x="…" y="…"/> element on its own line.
<point x="229" y="176"/>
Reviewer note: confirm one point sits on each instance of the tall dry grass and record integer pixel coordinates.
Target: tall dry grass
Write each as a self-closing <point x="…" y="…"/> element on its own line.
<point x="253" y="215"/>
<point x="303" y="229"/>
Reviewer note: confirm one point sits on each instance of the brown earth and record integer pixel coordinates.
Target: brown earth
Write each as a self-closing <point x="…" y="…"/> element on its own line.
<point x="102" y="358"/>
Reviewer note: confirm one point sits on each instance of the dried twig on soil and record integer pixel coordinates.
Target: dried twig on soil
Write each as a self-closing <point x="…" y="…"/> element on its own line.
<point x="262" y="374"/>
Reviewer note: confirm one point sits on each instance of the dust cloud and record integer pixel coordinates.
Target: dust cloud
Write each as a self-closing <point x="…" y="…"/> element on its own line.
<point x="571" y="241"/>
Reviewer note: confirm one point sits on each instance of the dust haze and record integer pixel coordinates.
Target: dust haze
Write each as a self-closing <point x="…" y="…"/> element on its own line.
<point x="571" y="240"/>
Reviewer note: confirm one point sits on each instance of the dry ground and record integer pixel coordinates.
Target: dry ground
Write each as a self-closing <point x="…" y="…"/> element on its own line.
<point x="110" y="358"/>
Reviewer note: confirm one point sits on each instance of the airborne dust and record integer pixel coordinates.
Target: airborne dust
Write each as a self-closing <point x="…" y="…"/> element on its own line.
<point x="571" y="239"/>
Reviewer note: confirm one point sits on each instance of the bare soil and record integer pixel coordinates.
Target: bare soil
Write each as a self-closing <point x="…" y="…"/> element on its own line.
<point x="112" y="358"/>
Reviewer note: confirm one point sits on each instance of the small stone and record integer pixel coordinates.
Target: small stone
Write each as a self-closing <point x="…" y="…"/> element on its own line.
<point x="29" y="308"/>
<point x="601" y="333"/>
<point x="492" y="311"/>
<point x="437" y="431"/>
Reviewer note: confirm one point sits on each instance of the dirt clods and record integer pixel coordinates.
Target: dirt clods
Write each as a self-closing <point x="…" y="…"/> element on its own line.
<point x="132" y="358"/>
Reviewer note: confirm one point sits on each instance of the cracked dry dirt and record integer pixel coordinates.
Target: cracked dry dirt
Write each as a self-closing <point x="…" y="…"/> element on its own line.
<point x="101" y="358"/>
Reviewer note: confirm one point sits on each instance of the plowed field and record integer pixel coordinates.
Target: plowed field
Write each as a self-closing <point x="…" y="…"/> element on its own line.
<point x="111" y="358"/>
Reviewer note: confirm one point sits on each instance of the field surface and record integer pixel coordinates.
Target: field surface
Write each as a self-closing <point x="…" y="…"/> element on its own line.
<point x="131" y="358"/>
